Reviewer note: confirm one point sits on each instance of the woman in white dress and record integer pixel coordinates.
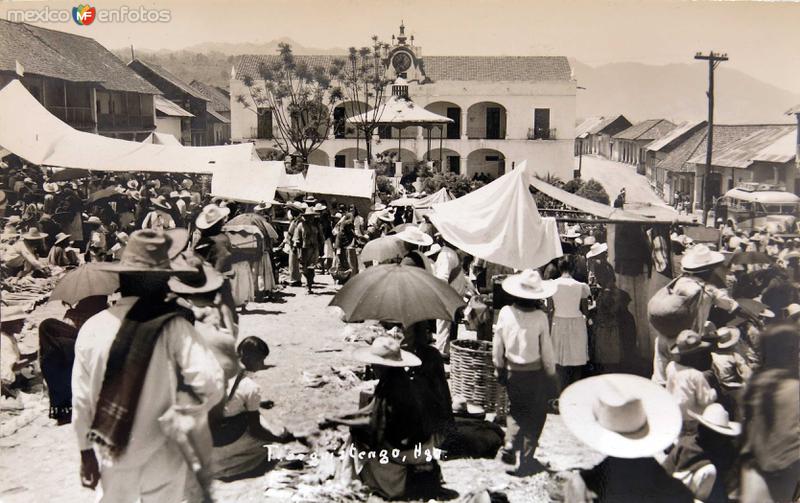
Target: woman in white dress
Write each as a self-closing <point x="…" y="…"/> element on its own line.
<point x="569" y="334"/>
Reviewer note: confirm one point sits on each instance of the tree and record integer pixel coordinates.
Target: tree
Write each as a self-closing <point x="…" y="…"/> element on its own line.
<point x="298" y="96"/>
<point x="362" y="81"/>
<point x="573" y="186"/>
<point x="594" y="191"/>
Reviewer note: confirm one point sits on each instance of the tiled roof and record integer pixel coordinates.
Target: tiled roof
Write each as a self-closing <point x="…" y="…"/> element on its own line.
<point x="169" y="108"/>
<point x="169" y="77"/>
<point x="695" y="145"/>
<point x="674" y="136"/>
<point x="220" y="100"/>
<point x="739" y="153"/>
<point x="482" y="68"/>
<point x="217" y="116"/>
<point x="582" y="130"/>
<point x="646" y="130"/>
<point x="599" y="128"/>
<point x="65" y="56"/>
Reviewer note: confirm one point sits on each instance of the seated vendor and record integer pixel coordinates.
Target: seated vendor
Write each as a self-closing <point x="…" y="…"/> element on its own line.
<point x="238" y="430"/>
<point x="23" y="257"/>
<point x="398" y="422"/>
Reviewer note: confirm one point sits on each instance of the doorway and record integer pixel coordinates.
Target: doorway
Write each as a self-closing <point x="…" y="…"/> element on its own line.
<point x="454" y="128"/>
<point x="492" y="123"/>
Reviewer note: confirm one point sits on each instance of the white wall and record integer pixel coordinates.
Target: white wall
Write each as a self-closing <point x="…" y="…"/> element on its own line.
<point x="169" y="125"/>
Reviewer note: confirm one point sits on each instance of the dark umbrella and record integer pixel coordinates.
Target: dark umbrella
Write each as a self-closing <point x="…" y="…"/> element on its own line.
<point x="103" y="194"/>
<point x="400" y="293"/>
<point x="749" y="258"/>
<point x="258" y="221"/>
<point x="85" y="281"/>
<point x="383" y="249"/>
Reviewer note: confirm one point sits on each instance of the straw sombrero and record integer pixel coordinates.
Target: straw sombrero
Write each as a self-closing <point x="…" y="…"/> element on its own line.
<point x="262" y="206"/>
<point x="147" y="251"/>
<point x="34" y="234"/>
<point x="621" y="415"/>
<point x="529" y="285"/>
<point x="161" y="202"/>
<point x="716" y="418"/>
<point x="386" y="351"/>
<point x="572" y="232"/>
<point x="727" y="337"/>
<point x="415" y="236"/>
<point x="701" y="257"/>
<point x="61" y="237"/>
<point x="50" y="187"/>
<point x="210" y="215"/>
<point x="688" y="342"/>
<point x="596" y="249"/>
<point x="204" y="280"/>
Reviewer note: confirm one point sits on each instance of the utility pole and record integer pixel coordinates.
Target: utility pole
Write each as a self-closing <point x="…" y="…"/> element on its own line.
<point x="713" y="59"/>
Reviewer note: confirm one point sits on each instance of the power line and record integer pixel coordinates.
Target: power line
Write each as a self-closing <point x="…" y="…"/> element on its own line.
<point x="714" y="59"/>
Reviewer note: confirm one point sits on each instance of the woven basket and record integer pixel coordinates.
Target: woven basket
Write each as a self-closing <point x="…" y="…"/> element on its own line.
<point x="472" y="376"/>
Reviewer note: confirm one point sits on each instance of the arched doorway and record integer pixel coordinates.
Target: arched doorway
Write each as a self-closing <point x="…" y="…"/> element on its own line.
<point x="486" y="160"/>
<point x="452" y="111"/>
<point x="319" y="157"/>
<point x="343" y="111"/>
<point x="346" y="158"/>
<point x="407" y="157"/>
<point x="486" y="120"/>
<point x="451" y="160"/>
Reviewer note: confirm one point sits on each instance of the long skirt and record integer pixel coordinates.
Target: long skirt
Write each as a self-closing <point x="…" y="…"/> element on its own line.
<point x="265" y="278"/>
<point x="241" y="456"/>
<point x="327" y="249"/>
<point x="242" y="283"/>
<point x="570" y="341"/>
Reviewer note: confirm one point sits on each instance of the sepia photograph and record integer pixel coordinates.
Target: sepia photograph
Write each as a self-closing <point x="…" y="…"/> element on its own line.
<point x="360" y="251"/>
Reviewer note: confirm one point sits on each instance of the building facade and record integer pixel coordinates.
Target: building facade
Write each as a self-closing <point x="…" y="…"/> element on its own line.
<point x="504" y="110"/>
<point x="629" y="144"/>
<point x="77" y="80"/>
<point x="594" y="135"/>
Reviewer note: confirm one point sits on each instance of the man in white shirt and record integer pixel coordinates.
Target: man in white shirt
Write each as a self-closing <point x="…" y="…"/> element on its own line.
<point x="142" y="463"/>
<point x="448" y="268"/>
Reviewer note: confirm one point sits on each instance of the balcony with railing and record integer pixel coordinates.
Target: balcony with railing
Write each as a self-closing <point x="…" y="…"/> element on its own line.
<point x="78" y="117"/>
<point x="117" y="121"/>
<point x="541" y="134"/>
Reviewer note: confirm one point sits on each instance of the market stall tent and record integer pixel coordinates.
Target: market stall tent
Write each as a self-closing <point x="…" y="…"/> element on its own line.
<point x="250" y="182"/>
<point x="500" y="223"/>
<point x="30" y="131"/>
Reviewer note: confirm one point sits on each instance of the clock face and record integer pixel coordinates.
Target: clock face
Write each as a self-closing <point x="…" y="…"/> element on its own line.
<point x="401" y="62"/>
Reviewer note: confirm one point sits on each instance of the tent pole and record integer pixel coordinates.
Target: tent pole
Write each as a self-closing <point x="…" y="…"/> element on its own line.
<point x="441" y="166"/>
<point x="428" y="152"/>
<point x="399" y="149"/>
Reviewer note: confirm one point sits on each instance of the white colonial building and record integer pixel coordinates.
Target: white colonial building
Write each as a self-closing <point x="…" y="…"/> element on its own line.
<point x="504" y="109"/>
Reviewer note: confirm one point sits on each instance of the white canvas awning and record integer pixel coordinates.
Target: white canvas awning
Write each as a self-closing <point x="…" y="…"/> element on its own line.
<point x="500" y="223"/>
<point x="349" y="182"/>
<point x="161" y="139"/>
<point x="28" y="130"/>
<point x="251" y="182"/>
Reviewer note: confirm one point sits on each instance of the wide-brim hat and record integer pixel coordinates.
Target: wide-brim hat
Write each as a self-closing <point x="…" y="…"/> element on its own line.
<point x="792" y="310"/>
<point x="716" y="418"/>
<point x="529" y="285"/>
<point x="135" y="195"/>
<point x="147" y="252"/>
<point x="132" y="184"/>
<point x="211" y="215"/>
<point x="187" y="183"/>
<point x="262" y="206"/>
<point x="572" y="232"/>
<point x="50" y="187"/>
<point x="386" y="216"/>
<point x="161" y="202"/>
<point x="621" y="415"/>
<point x="727" y="337"/>
<point x="94" y="220"/>
<point x="701" y="257"/>
<point x="414" y="236"/>
<point x="378" y="207"/>
<point x="310" y="212"/>
<point x="61" y="237"/>
<point x="12" y="313"/>
<point x="204" y="280"/>
<point x="180" y="238"/>
<point x="436" y="248"/>
<point x="185" y="194"/>
<point x="688" y="342"/>
<point x="597" y="249"/>
<point x="755" y="307"/>
<point x="319" y="207"/>
<point x="34" y="234"/>
<point x="385" y="351"/>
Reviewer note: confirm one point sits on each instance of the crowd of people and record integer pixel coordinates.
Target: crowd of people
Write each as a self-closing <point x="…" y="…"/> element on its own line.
<point x="717" y="419"/>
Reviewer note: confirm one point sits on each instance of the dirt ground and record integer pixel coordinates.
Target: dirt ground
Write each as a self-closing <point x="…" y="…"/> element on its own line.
<point x="39" y="461"/>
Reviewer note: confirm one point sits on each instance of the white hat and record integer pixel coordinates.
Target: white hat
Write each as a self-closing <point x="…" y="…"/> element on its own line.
<point x="621" y="415"/>
<point x="210" y="215"/>
<point x="415" y="236"/>
<point x="792" y="310"/>
<point x="727" y="337"/>
<point x="434" y="250"/>
<point x="701" y="257"/>
<point x="716" y="418"/>
<point x="50" y="187"/>
<point x="596" y="249"/>
<point x="386" y="351"/>
<point x="529" y="285"/>
<point x="572" y="232"/>
<point x="588" y="240"/>
<point x="386" y="216"/>
<point x="262" y="206"/>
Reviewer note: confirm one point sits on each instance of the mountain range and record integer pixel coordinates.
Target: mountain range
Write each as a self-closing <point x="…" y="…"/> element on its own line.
<point x="639" y="91"/>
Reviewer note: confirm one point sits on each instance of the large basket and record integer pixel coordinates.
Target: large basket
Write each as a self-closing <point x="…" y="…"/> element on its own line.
<point x="472" y="376"/>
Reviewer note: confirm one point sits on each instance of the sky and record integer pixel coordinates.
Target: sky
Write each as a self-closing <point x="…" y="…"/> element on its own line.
<point x="760" y="38"/>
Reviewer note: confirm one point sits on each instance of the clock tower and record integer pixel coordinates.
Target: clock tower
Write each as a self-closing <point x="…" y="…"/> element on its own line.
<point x="403" y="58"/>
